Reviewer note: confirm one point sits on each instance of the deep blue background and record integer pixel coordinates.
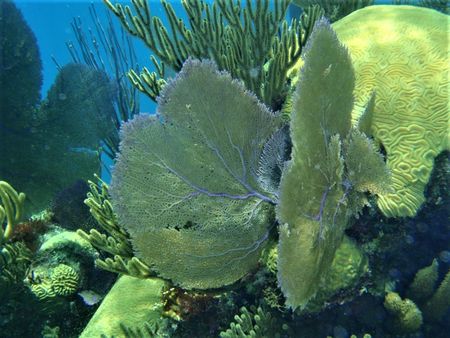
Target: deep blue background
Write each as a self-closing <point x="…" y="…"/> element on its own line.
<point x="50" y="21"/>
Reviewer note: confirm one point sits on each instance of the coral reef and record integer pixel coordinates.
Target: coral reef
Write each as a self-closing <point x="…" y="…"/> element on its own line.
<point x="68" y="208"/>
<point x="409" y="72"/>
<point x="20" y="77"/>
<point x="47" y="145"/>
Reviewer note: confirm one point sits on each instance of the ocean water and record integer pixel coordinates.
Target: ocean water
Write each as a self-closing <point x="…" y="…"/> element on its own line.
<point x="205" y="212"/>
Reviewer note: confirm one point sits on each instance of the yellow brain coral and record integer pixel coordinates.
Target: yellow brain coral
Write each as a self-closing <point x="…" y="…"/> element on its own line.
<point x="401" y="52"/>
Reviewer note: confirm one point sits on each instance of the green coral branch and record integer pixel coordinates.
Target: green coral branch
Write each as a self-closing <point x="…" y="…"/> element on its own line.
<point x="14" y="261"/>
<point x="255" y="322"/>
<point x="254" y="44"/>
<point x="11" y="210"/>
<point x="117" y="241"/>
<point x="132" y="267"/>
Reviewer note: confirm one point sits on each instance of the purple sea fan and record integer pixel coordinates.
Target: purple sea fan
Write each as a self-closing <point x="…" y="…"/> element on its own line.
<point x="185" y="185"/>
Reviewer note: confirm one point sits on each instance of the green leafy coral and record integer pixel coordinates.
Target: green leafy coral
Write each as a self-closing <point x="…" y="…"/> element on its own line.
<point x="185" y="185"/>
<point x="332" y="165"/>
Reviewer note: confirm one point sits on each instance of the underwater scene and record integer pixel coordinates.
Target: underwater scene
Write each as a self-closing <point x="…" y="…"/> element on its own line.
<point x="224" y="168"/>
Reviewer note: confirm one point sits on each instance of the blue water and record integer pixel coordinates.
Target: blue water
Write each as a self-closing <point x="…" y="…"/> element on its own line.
<point x="50" y="21"/>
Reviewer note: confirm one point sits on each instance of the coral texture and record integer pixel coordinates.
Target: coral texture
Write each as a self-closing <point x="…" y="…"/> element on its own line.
<point x="62" y="280"/>
<point x="130" y="302"/>
<point x="422" y="287"/>
<point x="407" y="316"/>
<point x="401" y="53"/>
<point x="185" y="185"/>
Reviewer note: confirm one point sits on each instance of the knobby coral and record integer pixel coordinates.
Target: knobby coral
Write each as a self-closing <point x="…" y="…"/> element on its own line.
<point x="59" y="281"/>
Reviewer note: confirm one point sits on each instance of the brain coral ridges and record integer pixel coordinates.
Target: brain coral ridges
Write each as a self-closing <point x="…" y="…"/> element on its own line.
<point x="401" y="53"/>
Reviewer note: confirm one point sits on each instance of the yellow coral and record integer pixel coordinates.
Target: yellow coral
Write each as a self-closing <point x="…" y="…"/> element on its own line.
<point x="439" y="304"/>
<point x="401" y="53"/>
<point x="422" y="286"/>
<point x="407" y="316"/>
<point x="63" y="280"/>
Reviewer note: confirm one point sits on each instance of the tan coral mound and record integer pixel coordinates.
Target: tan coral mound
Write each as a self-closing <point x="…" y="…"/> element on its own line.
<point x="401" y="52"/>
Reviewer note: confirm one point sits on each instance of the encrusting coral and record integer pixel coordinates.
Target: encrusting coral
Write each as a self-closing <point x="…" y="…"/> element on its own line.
<point x="401" y="53"/>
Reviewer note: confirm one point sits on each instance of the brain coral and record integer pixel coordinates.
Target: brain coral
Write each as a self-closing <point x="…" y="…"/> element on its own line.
<point x="401" y="52"/>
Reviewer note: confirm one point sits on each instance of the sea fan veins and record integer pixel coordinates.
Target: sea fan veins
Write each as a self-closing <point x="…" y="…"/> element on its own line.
<point x="185" y="184"/>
